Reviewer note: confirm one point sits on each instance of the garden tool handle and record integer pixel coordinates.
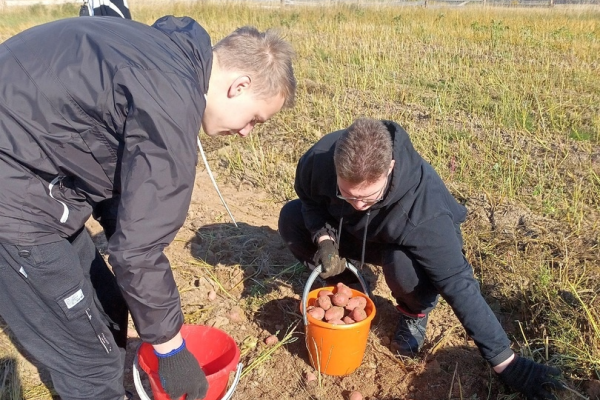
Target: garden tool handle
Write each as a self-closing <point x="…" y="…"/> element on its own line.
<point x="137" y="380"/>
<point x="313" y="276"/>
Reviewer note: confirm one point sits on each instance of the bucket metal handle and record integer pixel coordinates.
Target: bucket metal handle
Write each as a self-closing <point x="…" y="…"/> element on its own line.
<point x="137" y="380"/>
<point x="313" y="276"/>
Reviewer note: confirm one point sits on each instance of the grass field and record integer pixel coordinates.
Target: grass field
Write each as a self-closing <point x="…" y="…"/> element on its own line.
<point x="504" y="103"/>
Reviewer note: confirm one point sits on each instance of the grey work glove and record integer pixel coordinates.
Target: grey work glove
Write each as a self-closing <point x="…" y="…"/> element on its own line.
<point x="181" y="374"/>
<point x="327" y="255"/>
<point x="531" y="379"/>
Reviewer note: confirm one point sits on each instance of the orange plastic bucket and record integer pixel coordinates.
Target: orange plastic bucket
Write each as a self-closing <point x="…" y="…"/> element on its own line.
<point x="337" y="349"/>
<point x="216" y="352"/>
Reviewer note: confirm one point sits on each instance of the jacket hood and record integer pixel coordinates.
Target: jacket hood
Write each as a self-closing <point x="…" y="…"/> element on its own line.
<point x="407" y="171"/>
<point x="192" y="39"/>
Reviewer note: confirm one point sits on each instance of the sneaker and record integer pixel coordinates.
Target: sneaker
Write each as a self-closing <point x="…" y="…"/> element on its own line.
<point x="409" y="335"/>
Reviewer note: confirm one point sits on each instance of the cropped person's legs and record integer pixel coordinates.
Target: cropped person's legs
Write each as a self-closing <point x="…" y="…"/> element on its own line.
<point x="48" y="301"/>
<point x="114" y="8"/>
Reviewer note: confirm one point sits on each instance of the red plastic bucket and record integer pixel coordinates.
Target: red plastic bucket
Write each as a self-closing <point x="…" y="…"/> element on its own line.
<point x="216" y="352"/>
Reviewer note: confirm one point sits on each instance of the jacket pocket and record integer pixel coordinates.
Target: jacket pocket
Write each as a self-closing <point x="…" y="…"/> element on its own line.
<point x="54" y="273"/>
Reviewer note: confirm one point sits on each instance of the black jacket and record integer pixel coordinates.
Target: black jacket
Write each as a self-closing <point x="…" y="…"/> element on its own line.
<point x="417" y="213"/>
<point x="101" y="111"/>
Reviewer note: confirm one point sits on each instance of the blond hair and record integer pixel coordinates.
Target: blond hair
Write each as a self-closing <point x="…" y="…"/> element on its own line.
<point x="265" y="57"/>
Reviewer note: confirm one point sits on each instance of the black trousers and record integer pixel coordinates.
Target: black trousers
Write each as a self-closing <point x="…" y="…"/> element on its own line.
<point x="408" y="282"/>
<point x="64" y="307"/>
<point x="113" y="8"/>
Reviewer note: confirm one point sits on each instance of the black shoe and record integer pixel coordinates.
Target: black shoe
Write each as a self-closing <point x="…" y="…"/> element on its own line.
<point x="409" y="335"/>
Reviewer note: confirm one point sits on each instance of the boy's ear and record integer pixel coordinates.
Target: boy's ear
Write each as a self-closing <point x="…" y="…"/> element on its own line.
<point x="239" y="85"/>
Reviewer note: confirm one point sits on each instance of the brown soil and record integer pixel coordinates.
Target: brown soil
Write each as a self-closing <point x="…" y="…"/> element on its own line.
<point x="246" y="261"/>
<point x="255" y="300"/>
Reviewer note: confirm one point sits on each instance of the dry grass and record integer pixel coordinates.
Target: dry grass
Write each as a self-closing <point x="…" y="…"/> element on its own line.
<point x="504" y="103"/>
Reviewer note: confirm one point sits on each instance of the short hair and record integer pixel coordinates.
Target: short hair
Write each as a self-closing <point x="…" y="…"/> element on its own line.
<point x="265" y="57"/>
<point x="364" y="151"/>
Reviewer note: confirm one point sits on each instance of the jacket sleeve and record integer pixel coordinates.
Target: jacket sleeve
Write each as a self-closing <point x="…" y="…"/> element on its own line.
<point x="314" y="207"/>
<point x="157" y="177"/>
<point x="436" y="245"/>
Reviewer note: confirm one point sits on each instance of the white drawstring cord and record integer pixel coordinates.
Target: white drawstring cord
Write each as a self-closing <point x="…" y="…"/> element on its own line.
<point x="65" y="213"/>
<point x="214" y="182"/>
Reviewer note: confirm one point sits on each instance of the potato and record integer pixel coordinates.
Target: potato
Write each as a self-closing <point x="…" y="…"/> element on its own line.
<point x="356" y="395"/>
<point x="309" y="377"/>
<point x="334" y="312"/>
<point x="358" y="314"/>
<point x="362" y="302"/>
<point x="324" y="302"/>
<point x="353" y="302"/>
<point x="212" y="295"/>
<point x="337" y="322"/>
<point x="236" y="314"/>
<point x="339" y="299"/>
<point x="341" y="288"/>
<point x="348" y="320"/>
<point x="317" y="313"/>
<point x="325" y="293"/>
<point x="271" y="340"/>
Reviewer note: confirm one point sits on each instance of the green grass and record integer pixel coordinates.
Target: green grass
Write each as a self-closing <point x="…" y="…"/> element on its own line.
<point x="504" y="103"/>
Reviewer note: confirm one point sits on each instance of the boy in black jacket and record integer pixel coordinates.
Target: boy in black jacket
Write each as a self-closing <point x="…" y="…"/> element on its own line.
<point x="102" y="117"/>
<point x="365" y="193"/>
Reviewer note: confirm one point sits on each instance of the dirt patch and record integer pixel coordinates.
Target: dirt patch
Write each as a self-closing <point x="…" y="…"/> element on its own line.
<point x="258" y="290"/>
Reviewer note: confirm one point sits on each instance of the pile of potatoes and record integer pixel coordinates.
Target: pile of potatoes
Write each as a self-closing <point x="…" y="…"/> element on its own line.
<point x="338" y="307"/>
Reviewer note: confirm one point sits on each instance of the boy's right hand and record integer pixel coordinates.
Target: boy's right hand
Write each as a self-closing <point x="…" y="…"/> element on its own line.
<point x="327" y="255"/>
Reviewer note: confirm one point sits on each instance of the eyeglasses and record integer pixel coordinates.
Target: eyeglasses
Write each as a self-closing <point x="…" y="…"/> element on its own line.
<point x="365" y="199"/>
